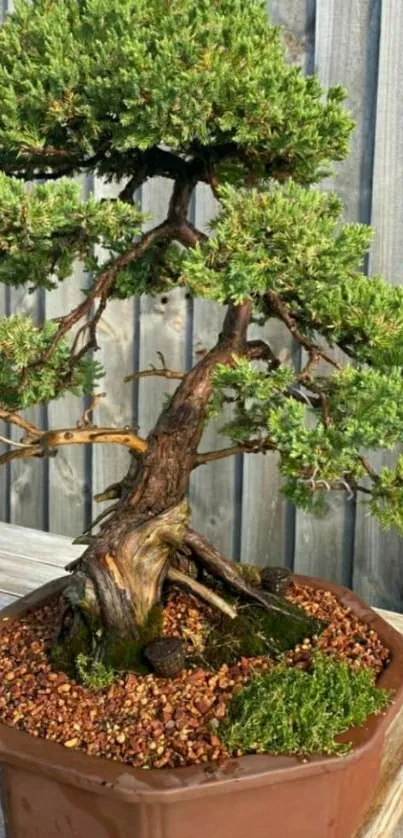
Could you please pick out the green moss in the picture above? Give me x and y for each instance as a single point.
(79, 640)
(125, 656)
(92, 657)
(297, 712)
(93, 674)
(249, 573)
(255, 632)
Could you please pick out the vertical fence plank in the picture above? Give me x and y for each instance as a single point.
(163, 323)
(28, 495)
(346, 53)
(117, 341)
(378, 572)
(68, 481)
(212, 491)
(267, 519)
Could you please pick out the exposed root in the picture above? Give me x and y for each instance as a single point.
(201, 591)
(225, 571)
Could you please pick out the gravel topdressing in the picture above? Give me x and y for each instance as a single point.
(151, 722)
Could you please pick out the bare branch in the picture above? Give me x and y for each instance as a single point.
(312, 362)
(13, 442)
(20, 454)
(110, 493)
(98, 520)
(163, 373)
(177, 576)
(48, 440)
(254, 446)
(283, 312)
(368, 468)
(100, 290)
(92, 434)
(19, 421)
(86, 417)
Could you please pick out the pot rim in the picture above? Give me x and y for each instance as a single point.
(103, 776)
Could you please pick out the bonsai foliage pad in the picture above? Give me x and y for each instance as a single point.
(53, 792)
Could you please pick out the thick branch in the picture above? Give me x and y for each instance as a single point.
(76, 436)
(189, 235)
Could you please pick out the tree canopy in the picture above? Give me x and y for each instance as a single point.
(198, 92)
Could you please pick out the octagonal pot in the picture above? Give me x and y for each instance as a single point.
(51, 792)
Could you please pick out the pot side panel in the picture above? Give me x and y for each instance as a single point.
(328, 805)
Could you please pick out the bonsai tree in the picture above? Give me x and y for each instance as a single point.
(194, 92)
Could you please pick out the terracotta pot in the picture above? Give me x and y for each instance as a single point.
(52, 792)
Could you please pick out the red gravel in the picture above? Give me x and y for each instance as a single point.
(146, 721)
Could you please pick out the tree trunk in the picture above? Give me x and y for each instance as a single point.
(120, 576)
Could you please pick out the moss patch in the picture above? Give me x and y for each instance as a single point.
(296, 712)
(253, 633)
(93, 674)
(79, 640)
(249, 573)
(88, 655)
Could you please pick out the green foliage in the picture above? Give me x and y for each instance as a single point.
(87, 77)
(364, 410)
(156, 272)
(250, 574)
(43, 230)
(278, 237)
(93, 85)
(22, 344)
(296, 712)
(254, 633)
(93, 674)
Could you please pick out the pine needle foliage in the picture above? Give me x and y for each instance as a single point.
(198, 92)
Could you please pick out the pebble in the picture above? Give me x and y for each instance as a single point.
(145, 721)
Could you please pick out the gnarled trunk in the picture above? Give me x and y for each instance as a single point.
(120, 576)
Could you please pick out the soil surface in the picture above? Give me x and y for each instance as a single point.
(146, 721)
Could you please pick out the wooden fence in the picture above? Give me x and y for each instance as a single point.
(236, 503)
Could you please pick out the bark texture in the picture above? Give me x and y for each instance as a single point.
(120, 576)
